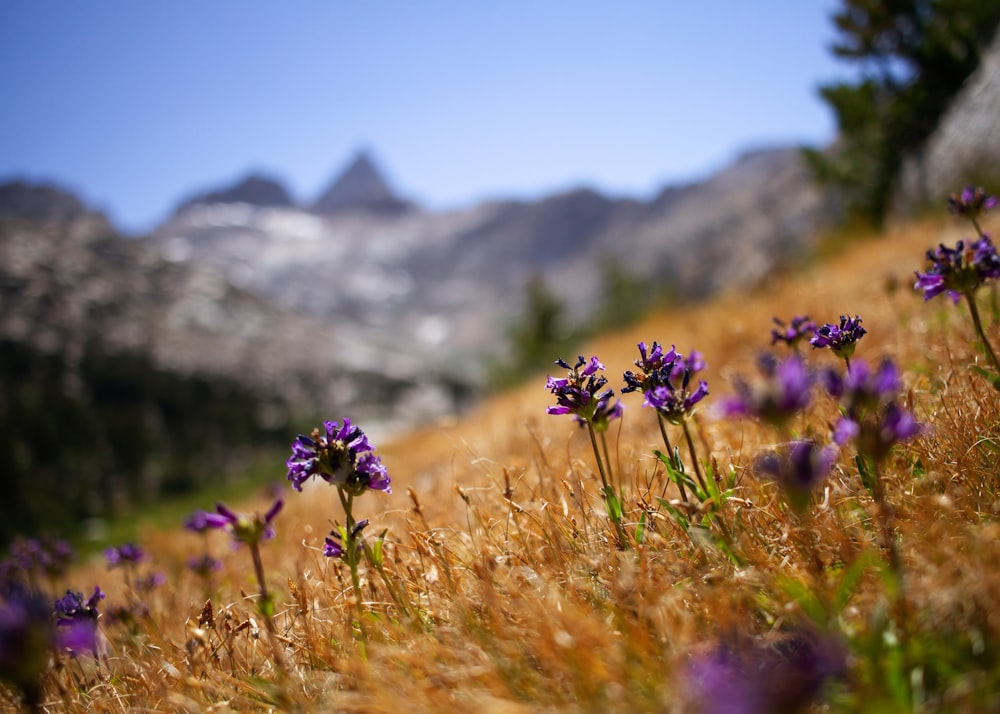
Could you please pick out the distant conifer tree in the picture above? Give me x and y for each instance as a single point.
(913, 56)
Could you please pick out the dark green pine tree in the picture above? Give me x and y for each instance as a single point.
(913, 56)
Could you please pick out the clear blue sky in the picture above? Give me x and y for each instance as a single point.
(135, 103)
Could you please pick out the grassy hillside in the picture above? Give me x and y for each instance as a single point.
(502, 584)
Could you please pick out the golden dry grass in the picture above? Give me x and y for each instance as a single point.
(504, 592)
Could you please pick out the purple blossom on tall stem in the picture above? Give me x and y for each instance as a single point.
(842, 339)
(784, 392)
(252, 530)
(800, 328)
(873, 422)
(665, 379)
(341, 455)
(76, 620)
(27, 637)
(971, 203)
(582, 394)
(959, 272)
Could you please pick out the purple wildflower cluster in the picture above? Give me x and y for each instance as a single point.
(971, 202)
(842, 339)
(799, 468)
(785, 390)
(243, 528)
(872, 418)
(125, 555)
(799, 329)
(340, 455)
(37, 556)
(334, 547)
(664, 378)
(582, 393)
(76, 619)
(960, 270)
(756, 678)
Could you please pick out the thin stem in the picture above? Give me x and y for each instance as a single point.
(694, 457)
(608, 491)
(670, 453)
(351, 551)
(265, 607)
(974, 309)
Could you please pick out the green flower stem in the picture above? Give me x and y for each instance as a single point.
(977, 322)
(352, 553)
(670, 452)
(265, 607)
(694, 457)
(608, 490)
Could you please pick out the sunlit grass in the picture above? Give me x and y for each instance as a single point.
(502, 586)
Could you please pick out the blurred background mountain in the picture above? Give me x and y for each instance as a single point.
(150, 365)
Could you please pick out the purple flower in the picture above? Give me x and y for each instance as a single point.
(876, 433)
(758, 678)
(582, 394)
(861, 388)
(800, 328)
(341, 455)
(802, 467)
(971, 202)
(665, 381)
(334, 544)
(245, 529)
(676, 404)
(842, 338)
(76, 620)
(203, 565)
(48, 556)
(26, 638)
(960, 270)
(871, 419)
(785, 391)
(198, 522)
(127, 554)
(150, 582)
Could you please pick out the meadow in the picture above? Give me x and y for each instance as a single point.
(803, 536)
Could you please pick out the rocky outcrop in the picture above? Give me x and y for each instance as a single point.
(965, 148)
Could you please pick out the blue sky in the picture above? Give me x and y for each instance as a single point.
(135, 104)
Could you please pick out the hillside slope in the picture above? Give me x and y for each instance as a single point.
(503, 587)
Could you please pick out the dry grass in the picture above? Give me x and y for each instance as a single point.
(504, 591)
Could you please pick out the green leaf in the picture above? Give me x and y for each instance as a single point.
(640, 531)
(989, 376)
(806, 599)
(851, 577)
(266, 606)
(679, 517)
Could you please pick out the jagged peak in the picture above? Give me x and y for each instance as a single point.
(359, 186)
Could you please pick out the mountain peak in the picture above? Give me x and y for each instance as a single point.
(360, 186)
(254, 189)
